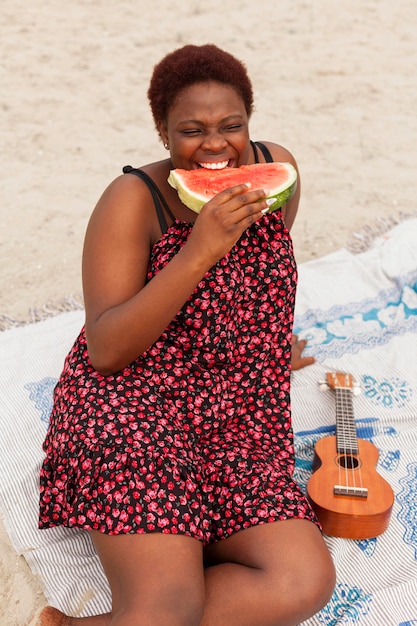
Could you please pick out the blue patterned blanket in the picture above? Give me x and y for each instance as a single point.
(359, 314)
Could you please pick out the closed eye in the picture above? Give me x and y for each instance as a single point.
(191, 131)
(233, 127)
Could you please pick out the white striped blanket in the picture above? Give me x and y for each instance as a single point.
(359, 313)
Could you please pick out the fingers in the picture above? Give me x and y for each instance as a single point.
(298, 361)
(298, 364)
(225, 217)
(241, 203)
(301, 343)
(242, 195)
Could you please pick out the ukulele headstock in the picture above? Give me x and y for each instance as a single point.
(340, 380)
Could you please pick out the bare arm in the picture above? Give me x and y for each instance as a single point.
(124, 316)
(289, 212)
(282, 155)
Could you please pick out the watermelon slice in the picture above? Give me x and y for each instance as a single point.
(196, 187)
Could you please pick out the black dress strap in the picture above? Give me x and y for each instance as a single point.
(158, 198)
(265, 151)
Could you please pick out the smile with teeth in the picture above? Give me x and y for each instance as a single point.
(220, 165)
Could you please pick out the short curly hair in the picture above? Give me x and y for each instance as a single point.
(193, 64)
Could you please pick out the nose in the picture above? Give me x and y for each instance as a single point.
(214, 141)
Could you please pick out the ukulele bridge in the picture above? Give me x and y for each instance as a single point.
(346, 490)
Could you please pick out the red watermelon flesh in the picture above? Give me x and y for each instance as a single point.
(196, 187)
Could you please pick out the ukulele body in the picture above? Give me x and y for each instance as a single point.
(361, 507)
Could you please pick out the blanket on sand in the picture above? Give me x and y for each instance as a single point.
(359, 314)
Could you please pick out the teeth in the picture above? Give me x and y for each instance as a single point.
(220, 165)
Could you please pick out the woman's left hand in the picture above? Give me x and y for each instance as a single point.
(298, 361)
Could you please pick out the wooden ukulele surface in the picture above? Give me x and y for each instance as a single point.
(350, 498)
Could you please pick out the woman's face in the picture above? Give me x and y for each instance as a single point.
(207, 126)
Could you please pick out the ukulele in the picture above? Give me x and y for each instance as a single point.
(350, 498)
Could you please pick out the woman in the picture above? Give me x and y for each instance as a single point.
(170, 439)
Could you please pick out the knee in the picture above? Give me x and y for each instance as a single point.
(305, 589)
(315, 588)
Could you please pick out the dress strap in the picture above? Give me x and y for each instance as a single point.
(158, 199)
(265, 151)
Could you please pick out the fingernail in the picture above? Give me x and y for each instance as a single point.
(248, 185)
(265, 210)
(270, 201)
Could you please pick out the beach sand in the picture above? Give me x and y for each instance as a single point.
(334, 82)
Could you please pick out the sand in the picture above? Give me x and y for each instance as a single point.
(334, 82)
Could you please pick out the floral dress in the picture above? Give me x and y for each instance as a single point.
(194, 437)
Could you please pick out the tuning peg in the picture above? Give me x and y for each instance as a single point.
(323, 386)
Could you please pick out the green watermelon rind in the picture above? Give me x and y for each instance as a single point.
(282, 197)
(196, 201)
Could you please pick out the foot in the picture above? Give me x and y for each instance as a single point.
(52, 617)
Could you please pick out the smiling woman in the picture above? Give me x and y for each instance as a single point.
(170, 438)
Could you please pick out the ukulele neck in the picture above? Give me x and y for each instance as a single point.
(346, 438)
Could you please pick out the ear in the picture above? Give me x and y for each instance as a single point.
(163, 132)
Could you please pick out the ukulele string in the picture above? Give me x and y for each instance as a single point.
(350, 443)
(344, 449)
(349, 449)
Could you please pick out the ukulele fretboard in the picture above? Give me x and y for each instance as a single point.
(346, 438)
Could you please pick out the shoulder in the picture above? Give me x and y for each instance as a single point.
(279, 153)
(131, 185)
(129, 192)
(127, 203)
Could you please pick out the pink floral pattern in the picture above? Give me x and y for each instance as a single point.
(194, 436)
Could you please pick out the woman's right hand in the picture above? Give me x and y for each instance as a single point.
(223, 220)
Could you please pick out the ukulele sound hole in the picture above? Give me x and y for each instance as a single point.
(347, 461)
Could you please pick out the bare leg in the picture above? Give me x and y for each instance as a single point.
(269, 575)
(155, 580)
